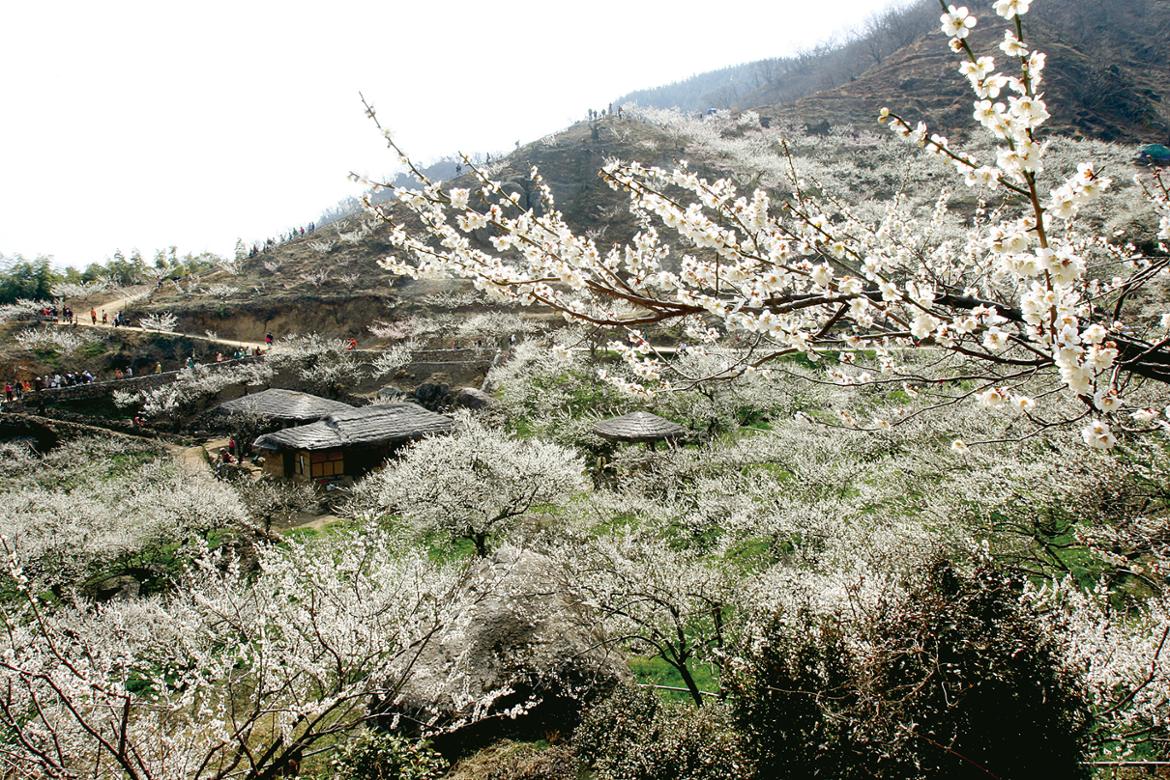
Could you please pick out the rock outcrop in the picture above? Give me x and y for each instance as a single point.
(526, 658)
(471, 398)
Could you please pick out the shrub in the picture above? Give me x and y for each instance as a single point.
(376, 755)
(956, 679)
(632, 735)
(557, 762)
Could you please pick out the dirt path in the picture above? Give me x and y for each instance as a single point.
(193, 460)
(111, 308)
(318, 524)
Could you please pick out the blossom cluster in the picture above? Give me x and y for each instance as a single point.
(59, 340)
(79, 290)
(61, 536)
(165, 322)
(471, 485)
(193, 386)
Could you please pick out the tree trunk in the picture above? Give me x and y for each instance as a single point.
(690, 683)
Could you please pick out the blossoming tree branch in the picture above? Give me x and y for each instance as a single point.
(1033, 311)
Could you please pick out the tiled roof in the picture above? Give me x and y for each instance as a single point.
(377, 424)
(638, 426)
(280, 404)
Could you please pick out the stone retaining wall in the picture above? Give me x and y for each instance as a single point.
(107, 387)
(423, 361)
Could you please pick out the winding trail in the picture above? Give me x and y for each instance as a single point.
(111, 308)
(116, 305)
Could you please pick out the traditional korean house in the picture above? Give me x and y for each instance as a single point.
(347, 443)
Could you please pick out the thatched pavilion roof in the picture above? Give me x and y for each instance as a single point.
(369, 425)
(638, 427)
(286, 405)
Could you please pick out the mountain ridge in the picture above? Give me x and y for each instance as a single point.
(1107, 72)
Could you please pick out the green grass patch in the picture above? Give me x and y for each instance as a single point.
(774, 470)
(583, 393)
(656, 671)
(624, 521)
(900, 397)
(756, 553)
(94, 349)
(521, 428)
(125, 463)
(443, 549)
(683, 537)
(301, 535)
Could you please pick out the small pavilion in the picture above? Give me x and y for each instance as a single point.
(639, 427)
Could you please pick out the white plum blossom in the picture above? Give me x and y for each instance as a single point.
(72, 511)
(459, 198)
(192, 386)
(473, 485)
(993, 397)
(1098, 435)
(160, 321)
(957, 22)
(1023, 403)
(59, 340)
(1009, 9)
(314, 635)
(1013, 46)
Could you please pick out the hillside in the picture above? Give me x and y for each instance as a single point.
(820, 451)
(330, 281)
(1105, 81)
(1107, 71)
(1107, 75)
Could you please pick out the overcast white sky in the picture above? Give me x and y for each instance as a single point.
(146, 124)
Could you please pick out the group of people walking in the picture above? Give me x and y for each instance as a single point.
(120, 319)
(67, 316)
(16, 389)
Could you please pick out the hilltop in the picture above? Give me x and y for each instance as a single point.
(1107, 75)
(1107, 72)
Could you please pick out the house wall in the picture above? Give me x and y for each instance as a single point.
(274, 464)
(326, 464)
(353, 462)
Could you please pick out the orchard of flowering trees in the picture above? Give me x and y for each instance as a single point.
(882, 549)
